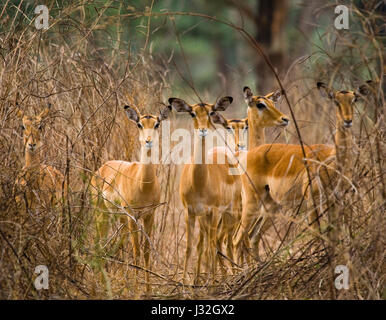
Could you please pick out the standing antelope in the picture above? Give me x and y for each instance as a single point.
(263, 113)
(43, 184)
(204, 188)
(236, 144)
(279, 175)
(132, 184)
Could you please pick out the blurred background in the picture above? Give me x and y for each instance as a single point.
(211, 56)
(98, 55)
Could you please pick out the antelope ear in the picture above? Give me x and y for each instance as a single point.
(219, 119)
(131, 114)
(164, 113)
(364, 88)
(324, 90)
(180, 105)
(222, 104)
(46, 111)
(275, 96)
(19, 112)
(247, 94)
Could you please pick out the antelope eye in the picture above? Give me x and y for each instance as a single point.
(40, 127)
(192, 114)
(246, 128)
(22, 127)
(336, 103)
(260, 106)
(229, 129)
(156, 126)
(139, 125)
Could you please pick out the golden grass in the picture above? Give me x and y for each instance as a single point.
(87, 89)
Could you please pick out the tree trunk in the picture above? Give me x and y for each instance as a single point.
(271, 19)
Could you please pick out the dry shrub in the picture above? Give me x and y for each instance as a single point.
(87, 90)
(87, 84)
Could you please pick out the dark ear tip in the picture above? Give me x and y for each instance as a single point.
(169, 107)
(319, 84)
(230, 99)
(245, 88)
(126, 107)
(369, 81)
(171, 100)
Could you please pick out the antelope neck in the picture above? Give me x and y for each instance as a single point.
(32, 159)
(199, 171)
(343, 145)
(256, 135)
(147, 169)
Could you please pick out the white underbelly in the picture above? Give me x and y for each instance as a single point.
(223, 201)
(285, 191)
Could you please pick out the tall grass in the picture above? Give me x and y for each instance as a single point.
(88, 81)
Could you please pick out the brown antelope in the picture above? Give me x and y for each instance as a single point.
(279, 175)
(204, 188)
(216, 176)
(132, 185)
(42, 183)
(236, 145)
(264, 115)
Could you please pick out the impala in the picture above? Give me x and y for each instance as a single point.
(236, 145)
(263, 113)
(204, 188)
(278, 174)
(42, 183)
(133, 185)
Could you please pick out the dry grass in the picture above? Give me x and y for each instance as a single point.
(87, 85)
